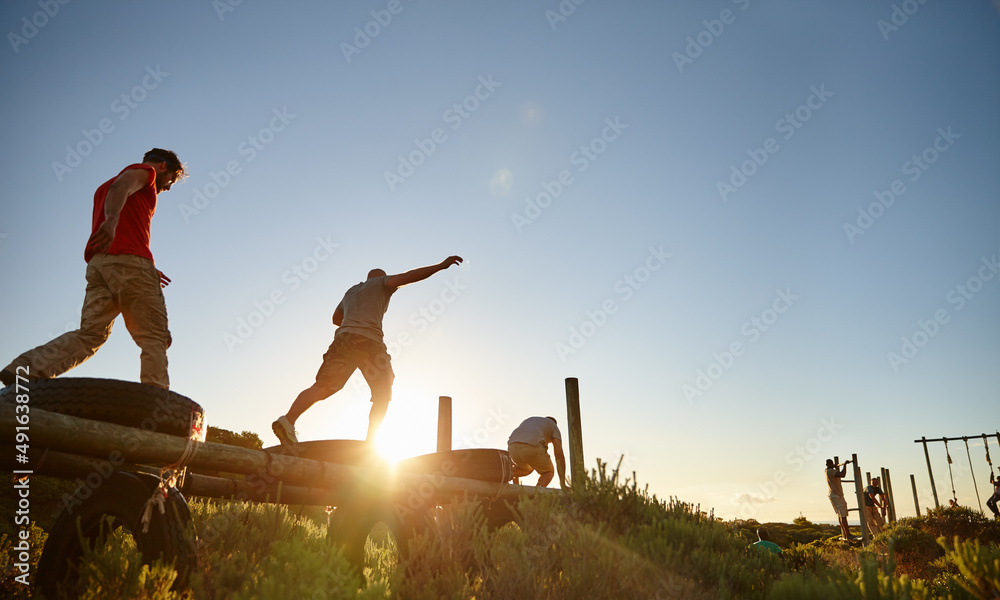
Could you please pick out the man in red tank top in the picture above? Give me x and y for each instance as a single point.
(121, 278)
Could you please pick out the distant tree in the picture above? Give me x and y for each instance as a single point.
(243, 439)
(801, 520)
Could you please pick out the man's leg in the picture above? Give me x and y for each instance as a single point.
(74, 347)
(375, 417)
(545, 478)
(136, 283)
(992, 504)
(845, 529)
(307, 398)
(336, 369)
(377, 369)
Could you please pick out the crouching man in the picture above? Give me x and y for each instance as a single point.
(528, 447)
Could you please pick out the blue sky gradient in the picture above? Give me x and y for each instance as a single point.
(604, 249)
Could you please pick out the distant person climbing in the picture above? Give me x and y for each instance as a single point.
(357, 344)
(122, 278)
(833, 477)
(764, 542)
(992, 502)
(874, 508)
(528, 446)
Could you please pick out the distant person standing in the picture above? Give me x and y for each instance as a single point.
(121, 278)
(833, 483)
(528, 446)
(874, 509)
(357, 345)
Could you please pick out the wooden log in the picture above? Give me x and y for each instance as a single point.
(93, 471)
(916, 502)
(577, 468)
(74, 435)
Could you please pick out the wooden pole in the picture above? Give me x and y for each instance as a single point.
(930, 472)
(130, 445)
(860, 492)
(444, 424)
(577, 468)
(916, 502)
(891, 500)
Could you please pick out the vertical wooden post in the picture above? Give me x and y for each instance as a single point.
(577, 468)
(916, 503)
(444, 424)
(860, 493)
(887, 488)
(930, 472)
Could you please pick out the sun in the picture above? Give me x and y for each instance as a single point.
(409, 429)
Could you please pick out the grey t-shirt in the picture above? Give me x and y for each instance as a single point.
(537, 431)
(364, 305)
(833, 482)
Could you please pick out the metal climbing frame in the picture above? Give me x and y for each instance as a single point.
(930, 470)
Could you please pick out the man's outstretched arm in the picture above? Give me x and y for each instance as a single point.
(422, 273)
(557, 450)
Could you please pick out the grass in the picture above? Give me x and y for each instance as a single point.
(606, 538)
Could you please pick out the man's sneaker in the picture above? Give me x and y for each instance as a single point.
(285, 432)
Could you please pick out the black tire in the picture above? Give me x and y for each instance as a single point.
(353, 522)
(120, 402)
(482, 464)
(345, 452)
(122, 497)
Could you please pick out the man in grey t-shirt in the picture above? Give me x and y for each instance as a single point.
(528, 447)
(358, 345)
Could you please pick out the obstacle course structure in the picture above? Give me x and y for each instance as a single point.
(136, 452)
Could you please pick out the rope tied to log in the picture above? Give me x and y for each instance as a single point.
(506, 474)
(158, 499)
(170, 473)
(986, 444)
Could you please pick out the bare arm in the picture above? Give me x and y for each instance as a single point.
(338, 315)
(422, 273)
(557, 450)
(125, 185)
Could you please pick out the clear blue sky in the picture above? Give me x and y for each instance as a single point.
(732, 323)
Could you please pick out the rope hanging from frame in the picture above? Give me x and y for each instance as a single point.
(954, 494)
(972, 471)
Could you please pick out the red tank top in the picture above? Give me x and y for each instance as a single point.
(132, 234)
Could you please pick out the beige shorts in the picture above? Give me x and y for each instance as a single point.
(530, 456)
(839, 505)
